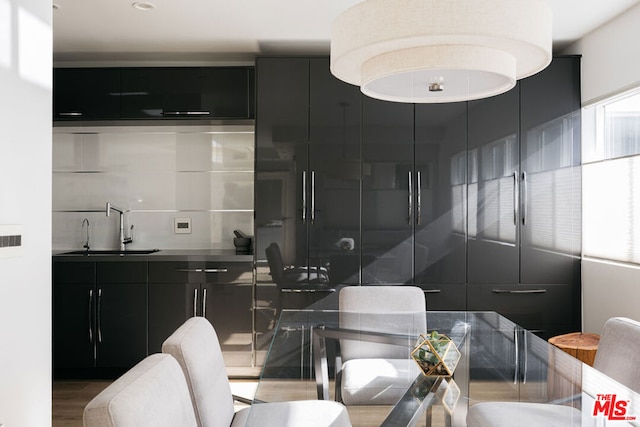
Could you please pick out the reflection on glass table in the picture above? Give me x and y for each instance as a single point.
(499, 362)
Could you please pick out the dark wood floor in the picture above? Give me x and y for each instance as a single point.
(69, 399)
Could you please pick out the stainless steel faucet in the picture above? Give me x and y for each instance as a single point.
(123, 240)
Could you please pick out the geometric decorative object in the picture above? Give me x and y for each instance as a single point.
(436, 355)
(431, 51)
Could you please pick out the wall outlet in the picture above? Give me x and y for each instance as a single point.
(182, 226)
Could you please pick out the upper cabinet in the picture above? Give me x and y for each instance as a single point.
(86, 93)
(153, 93)
(177, 93)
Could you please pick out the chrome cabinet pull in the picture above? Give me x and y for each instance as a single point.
(419, 196)
(70, 114)
(195, 302)
(525, 192)
(90, 320)
(432, 291)
(523, 291)
(185, 113)
(304, 197)
(410, 204)
(313, 197)
(204, 302)
(202, 270)
(515, 198)
(516, 343)
(99, 315)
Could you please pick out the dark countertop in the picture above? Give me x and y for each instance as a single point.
(219, 255)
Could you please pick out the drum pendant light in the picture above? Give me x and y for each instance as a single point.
(430, 51)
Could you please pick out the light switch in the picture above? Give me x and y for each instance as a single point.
(182, 226)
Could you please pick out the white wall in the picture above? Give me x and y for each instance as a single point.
(610, 59)
(25, 199)
(608, 289)
(610, 65)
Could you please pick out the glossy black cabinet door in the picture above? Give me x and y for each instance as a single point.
(388, 192)
(170, 304)
(440, 193)
(73, 325)
(282, 132)
(334, 168)
(86, 93)
(493, 176)
(121, 314)
(228, 307)
(186, 93)
(74, 301)
(551, 176)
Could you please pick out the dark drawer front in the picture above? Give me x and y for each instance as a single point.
(546, 310)
(122, 272)
(74, 272)
(445, 297)
(200, 272)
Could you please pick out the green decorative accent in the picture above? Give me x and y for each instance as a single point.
(436, 355)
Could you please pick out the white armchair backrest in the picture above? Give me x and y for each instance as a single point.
(153, 393)
(195, 346)
(404, 309)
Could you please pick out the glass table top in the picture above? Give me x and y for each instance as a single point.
(313, 350)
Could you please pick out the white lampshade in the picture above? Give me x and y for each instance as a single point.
(440, 50)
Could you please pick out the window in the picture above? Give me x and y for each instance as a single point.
(611, 179)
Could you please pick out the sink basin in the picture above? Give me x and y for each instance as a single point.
(113, 252)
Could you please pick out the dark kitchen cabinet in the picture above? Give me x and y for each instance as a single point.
(333, 170)
(187, 93)
(86, 94)
(220, 291)
(493, 188)
(388, 192)
(99, 317)
(550, 158)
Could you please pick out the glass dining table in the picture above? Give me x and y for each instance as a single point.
(498, 361)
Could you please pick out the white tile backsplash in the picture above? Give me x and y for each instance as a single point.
(157, 174)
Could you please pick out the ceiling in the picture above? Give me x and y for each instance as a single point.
(235, 31)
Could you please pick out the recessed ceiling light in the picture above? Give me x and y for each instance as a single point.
(143, 5)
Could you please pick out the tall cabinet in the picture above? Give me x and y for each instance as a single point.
(476, 202)
(525, 201)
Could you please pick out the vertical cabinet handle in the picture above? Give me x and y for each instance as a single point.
(195, 302)
(304, 197)
(419, 196)
(90, 317)
(515, 198)
(516, 344)
(524, 198)
(204, 302)
(313, 197)
(410, 204)
(99, 315)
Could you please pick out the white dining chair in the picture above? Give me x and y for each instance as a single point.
(372, 373)
(196, 348)
(153, 393)
(618, 357)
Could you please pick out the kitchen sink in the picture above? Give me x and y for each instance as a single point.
(113, 252)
